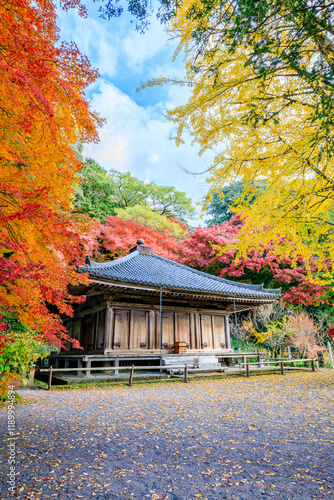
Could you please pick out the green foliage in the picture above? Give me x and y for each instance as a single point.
(94, 192)
(101, 193)
(170, 202)
(22, 348)
(220, 204)
(244, 346)
(142, 214)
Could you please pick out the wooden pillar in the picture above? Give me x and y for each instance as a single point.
(198, 336)
(108, 333)
(192, 331)
(151, 330)
(227, 333)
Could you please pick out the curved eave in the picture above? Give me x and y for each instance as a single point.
(196, 293)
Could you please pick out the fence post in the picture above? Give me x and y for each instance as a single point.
(313, 365)
(31, 376)
(50, 378)
(329, 347)
(88, 365)
(185, 380)
(282, 367)
(131, 375)
(247, 369)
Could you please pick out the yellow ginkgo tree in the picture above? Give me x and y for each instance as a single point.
(261, 80)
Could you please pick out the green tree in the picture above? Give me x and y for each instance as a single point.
(128, 191)
(94, 193)
(99, 193)
(169, 202)
(218, 206)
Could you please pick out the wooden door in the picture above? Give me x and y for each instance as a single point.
(100, 330)
(167, 331)
(182, 328)
(139, 328)
(219, 341)
(88, 331)
(206, 331)
(121, 329)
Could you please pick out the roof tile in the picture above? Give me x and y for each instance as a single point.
(160, 272)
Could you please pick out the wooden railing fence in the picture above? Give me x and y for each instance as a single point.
(184, 370)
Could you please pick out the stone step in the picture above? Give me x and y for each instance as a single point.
(192, 361)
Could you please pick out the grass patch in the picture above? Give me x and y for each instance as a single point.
(19, 400)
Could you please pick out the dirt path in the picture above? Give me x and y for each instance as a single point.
(263, 437)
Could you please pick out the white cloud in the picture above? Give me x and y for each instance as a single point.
(136, 139)
(154, 158)
(93, 40)
(141, 48)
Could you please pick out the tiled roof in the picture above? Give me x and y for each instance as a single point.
(156, 271)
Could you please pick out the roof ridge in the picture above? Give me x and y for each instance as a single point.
(111, 263)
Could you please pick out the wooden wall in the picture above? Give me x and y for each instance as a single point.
(139, 329)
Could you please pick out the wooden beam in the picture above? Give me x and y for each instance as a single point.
(91, 310)
(167, 307)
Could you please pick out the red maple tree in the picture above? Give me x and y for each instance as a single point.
(43, 112)
(118, 236)
(206, 250)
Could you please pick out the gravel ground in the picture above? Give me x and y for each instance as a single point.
(264, 437)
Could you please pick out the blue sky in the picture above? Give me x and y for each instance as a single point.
(136, 136)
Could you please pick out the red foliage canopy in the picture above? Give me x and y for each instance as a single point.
(43, 111)
(204, 250)
(118, 236)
